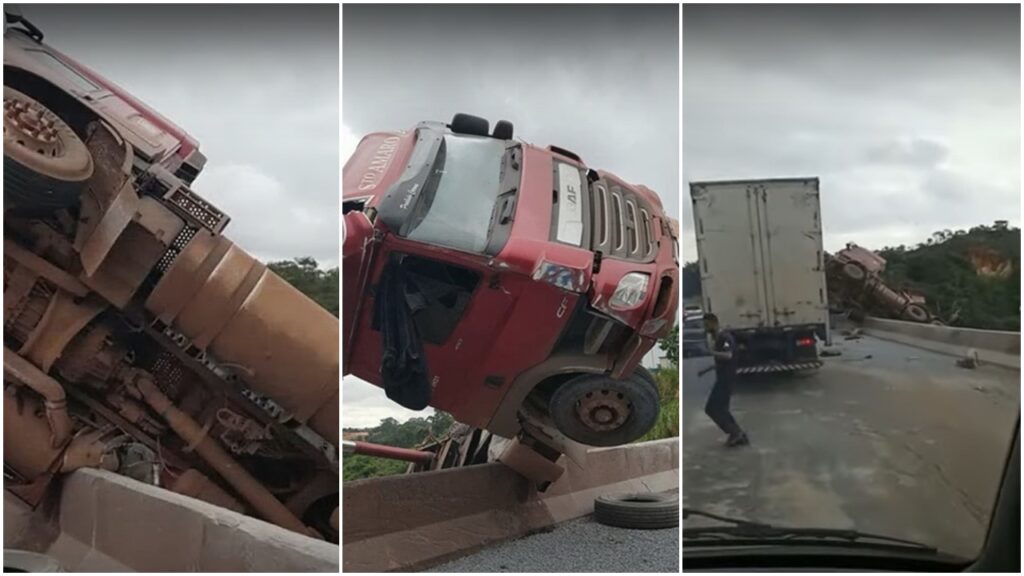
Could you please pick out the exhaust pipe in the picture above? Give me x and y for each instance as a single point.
(265, 503)
(21, 371)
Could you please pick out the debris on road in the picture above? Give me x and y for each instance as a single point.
(830, 353)
(852, 334)
(970, 359)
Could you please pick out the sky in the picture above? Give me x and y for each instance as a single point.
(602, 81)
(257, 87)
(910, 115)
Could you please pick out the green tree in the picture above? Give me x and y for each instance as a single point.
(943, 268)
(691, 280)
(305, 275)
(391, 432)
(670, 346)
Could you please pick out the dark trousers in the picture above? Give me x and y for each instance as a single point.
(717, 407)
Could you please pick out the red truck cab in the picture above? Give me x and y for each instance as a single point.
(504, 283)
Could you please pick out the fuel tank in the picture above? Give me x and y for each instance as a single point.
(277, 341)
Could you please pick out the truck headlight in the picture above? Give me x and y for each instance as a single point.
(630, 291)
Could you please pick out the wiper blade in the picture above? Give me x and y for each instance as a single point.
(687, 512)
(768, 533)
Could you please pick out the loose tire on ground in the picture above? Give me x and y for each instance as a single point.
(46, 165)
(645, 511)
(633, 400)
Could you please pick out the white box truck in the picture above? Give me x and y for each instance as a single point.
(762, 269)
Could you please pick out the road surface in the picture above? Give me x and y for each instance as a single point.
(582, 545)
(885, 438)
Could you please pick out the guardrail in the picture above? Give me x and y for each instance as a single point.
(106, 522)
(993, 346)
(410, 522)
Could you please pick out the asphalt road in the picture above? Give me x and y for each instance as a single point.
(579, 546)
(903, 443)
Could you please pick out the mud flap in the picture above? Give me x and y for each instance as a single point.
(403, 365)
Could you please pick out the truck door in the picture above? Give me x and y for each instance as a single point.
(730, 254)
(790, 224)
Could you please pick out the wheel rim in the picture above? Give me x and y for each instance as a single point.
(603, 409)
(40, 140)
(31, 129)
(854, 271)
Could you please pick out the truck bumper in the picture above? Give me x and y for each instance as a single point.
(779, 367)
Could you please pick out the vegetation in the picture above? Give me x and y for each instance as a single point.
(670, 346)
(304, 274)
(970, 278)
(391, 432)
(667, 424)
(691, 280)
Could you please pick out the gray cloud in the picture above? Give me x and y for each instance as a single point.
(909, 114)
(256, 85)
(599, 80)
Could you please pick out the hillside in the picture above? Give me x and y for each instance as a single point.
(971, 278)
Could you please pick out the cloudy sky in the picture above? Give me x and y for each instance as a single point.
(599, 80)
(909, 115)
(256, 86)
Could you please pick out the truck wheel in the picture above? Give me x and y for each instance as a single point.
(598, 410)
(854, 271)
(916, 313)
(46, 165)
(648, 510)
(469, 124)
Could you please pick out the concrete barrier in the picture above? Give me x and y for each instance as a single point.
(411, 522)
(105, 522)
(993, 346)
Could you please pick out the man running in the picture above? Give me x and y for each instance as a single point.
(717, 407)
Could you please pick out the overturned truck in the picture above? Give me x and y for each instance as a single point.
(855, 286)
(508, 284)
(137, 337)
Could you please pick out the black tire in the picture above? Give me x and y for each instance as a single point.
(854, 271)
(645, 511)
(503, 130)
(916, 313)
(37, 180)
(639, 390)
(469, 124)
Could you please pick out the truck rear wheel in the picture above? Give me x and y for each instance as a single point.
(598, 410)
(46, 165)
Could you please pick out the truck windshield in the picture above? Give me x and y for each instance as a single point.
(460, 193)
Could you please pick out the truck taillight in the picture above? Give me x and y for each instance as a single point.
(805, 342)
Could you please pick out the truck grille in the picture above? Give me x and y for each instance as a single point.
(622, 224)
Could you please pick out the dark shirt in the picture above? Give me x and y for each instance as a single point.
(725, 369)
